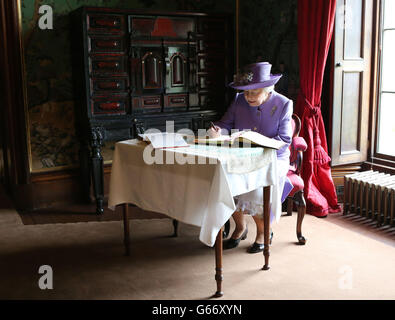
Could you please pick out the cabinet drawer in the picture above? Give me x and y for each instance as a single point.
(176, 100)
(100, 85)
(109, 105)
(147, 102)
(105, 23)
(107, 64)
(168, 27)
(106, 44)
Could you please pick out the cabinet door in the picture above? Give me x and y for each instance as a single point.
(146, 65)
(176, 69)
(351, 86)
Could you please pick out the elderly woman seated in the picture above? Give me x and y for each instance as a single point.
(260, 108)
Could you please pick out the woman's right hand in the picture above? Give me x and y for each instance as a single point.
(214, 132)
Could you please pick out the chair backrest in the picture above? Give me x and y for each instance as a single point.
(296, 124)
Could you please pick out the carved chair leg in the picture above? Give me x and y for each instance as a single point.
(175, 227)
(98, 180)
(226, 229)
(97, 168)
(290, 204)
(301, 205)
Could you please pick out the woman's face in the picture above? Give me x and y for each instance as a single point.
(255, 97)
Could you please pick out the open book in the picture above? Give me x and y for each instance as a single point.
(246, 138)
(164, 140)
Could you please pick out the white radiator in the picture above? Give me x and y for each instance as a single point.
(370, 194)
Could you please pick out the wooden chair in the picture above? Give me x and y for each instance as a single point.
(296, 196)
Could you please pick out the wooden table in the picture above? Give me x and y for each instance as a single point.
(125, 162)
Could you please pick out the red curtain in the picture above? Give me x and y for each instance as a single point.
(315, 28)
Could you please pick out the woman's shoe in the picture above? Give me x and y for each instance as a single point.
(233, 243)
(258, 247)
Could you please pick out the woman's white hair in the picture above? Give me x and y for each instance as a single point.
(268, 89)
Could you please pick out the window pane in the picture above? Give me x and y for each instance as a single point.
(388, 67)
(389, 10)
(386, 129)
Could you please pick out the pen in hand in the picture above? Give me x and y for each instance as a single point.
(213, 126)
(214, 131)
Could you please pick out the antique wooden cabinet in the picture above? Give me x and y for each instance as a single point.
(135, 70)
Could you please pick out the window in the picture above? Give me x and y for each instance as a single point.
(385, 137)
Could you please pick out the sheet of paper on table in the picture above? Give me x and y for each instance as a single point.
(164, 140)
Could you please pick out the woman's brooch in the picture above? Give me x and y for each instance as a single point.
(273, 110)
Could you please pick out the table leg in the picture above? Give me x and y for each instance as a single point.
(218, 264)
(266, 226)
(126, 228)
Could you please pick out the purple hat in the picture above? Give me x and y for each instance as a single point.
(256, 75)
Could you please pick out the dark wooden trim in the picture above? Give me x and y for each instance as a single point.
(339, 172)
(47, 194)
(381, 162)
(152, 13)
(327, 95)
(56, 188)
(54, 175)
(67, 173)
(13, 105)
(375, 77)
(378, 167)
(4, 179)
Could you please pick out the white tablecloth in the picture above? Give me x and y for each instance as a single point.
(199, 194)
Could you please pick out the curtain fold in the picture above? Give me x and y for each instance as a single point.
(315, 28)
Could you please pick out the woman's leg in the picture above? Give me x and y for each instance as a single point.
(259, 229)
(238, 217)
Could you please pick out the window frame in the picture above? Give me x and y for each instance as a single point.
(377, 160)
